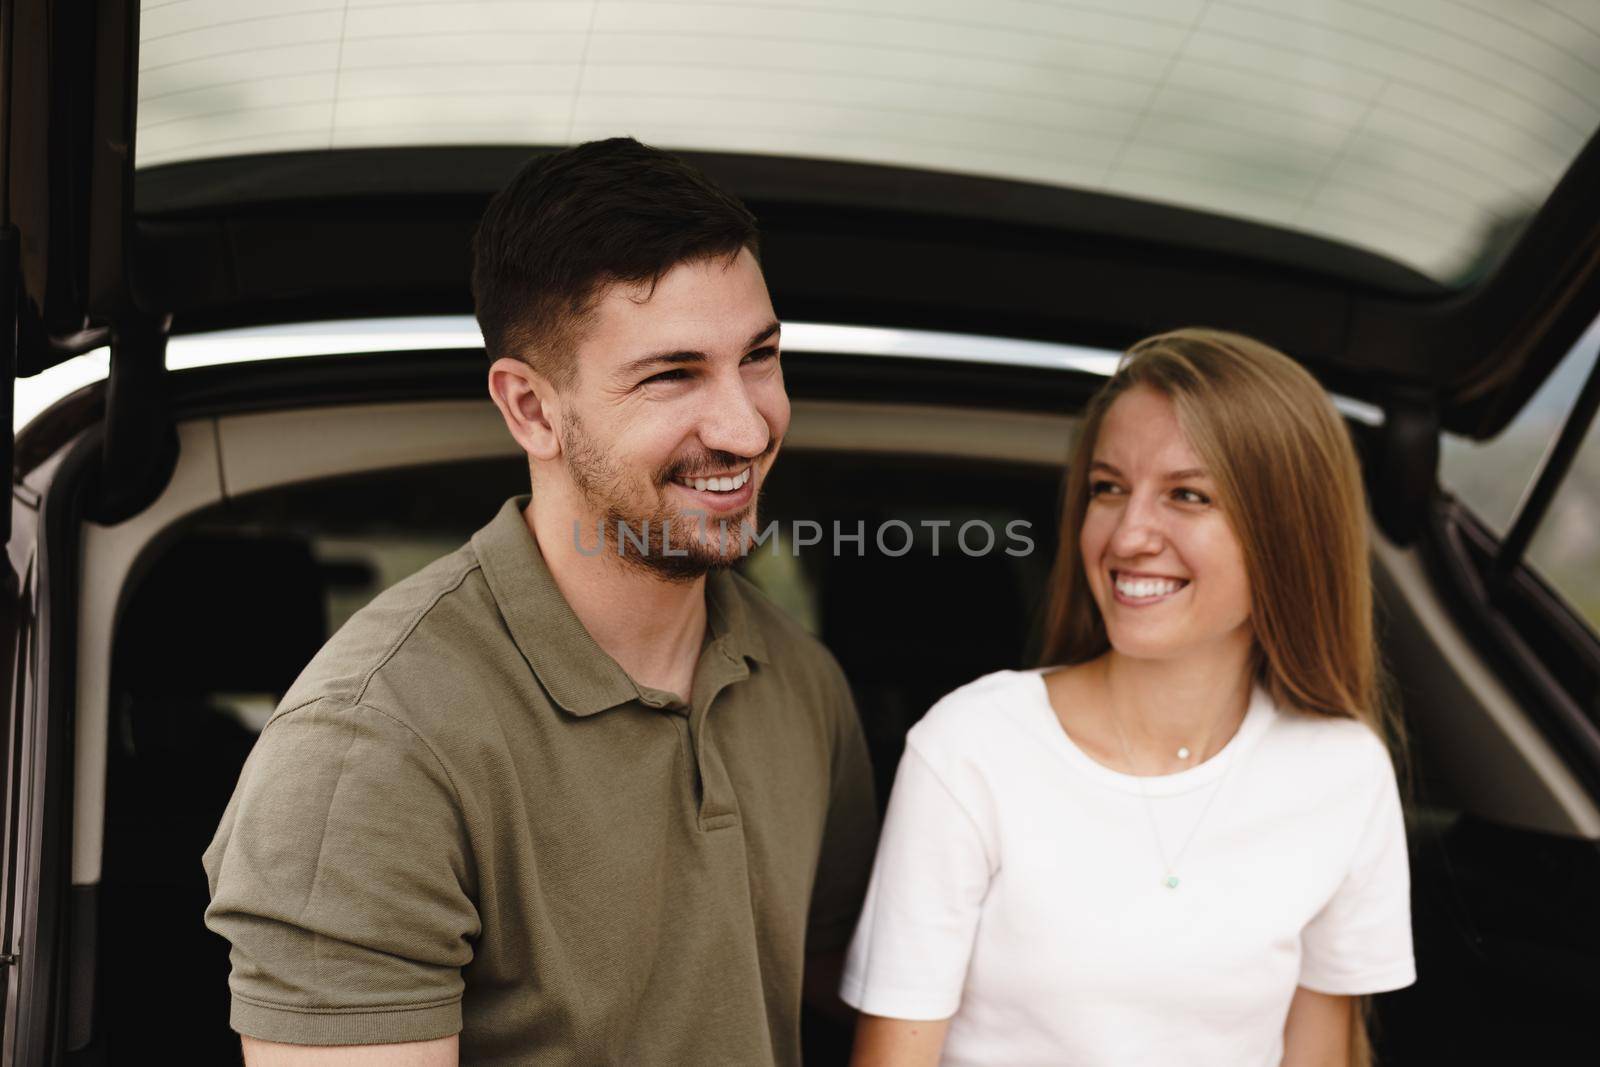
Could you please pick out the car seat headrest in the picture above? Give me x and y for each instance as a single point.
(223, 612)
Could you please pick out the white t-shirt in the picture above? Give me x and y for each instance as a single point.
(1019, 888)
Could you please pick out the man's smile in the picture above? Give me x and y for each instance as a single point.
(726, 483)
(710, 496)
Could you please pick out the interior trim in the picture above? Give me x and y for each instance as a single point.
(1539, 793)
(110, 555)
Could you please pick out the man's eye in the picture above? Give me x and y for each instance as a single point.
(666, 376)
(762, 355)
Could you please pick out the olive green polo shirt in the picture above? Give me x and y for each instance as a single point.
(465, 817)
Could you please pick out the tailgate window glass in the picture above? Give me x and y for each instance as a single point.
(1426, 132)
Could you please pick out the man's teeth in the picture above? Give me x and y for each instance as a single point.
(1147, 587)
(717, 485)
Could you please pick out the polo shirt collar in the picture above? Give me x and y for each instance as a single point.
(577, 673)
(728, 616)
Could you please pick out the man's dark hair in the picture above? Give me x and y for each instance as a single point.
(570, 223)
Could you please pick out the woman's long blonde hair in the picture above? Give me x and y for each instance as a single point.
(1290, 485)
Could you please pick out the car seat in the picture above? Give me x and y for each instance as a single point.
(216, 614)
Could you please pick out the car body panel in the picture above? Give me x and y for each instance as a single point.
(236, 242)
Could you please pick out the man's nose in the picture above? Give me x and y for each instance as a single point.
(731, 422)
(1138, 530)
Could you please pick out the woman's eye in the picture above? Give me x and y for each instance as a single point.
(1200, 498)
(1095, 487)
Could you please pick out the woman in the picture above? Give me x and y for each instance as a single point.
(1181, 842)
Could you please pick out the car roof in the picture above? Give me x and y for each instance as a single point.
(963, 207)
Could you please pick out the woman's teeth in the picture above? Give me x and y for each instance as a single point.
(716, 485)
(1141, 588)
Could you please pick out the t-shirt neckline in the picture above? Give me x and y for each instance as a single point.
(1257, 717)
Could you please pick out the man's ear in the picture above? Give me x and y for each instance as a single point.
(528, 402)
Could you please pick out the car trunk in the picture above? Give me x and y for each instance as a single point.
(126, 506)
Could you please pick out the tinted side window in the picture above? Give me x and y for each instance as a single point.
(1565, 549)
(1490, 477)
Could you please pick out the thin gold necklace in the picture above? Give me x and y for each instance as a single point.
(1169, 877)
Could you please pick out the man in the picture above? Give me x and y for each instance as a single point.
(575, 793)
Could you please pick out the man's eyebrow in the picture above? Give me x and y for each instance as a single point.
(633, 367)
(1172, 476)
(764, 333)
(691, 355)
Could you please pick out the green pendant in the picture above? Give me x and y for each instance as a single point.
(1172, 882)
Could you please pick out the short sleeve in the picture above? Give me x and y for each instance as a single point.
(341, 876)
(849, 834)
(1360, 942)
(909, 957)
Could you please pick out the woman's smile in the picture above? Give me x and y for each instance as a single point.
(1137, 592)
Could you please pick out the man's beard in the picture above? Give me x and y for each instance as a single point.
(698, 543)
